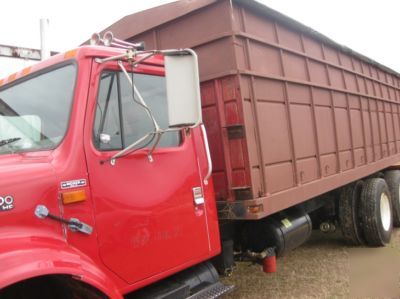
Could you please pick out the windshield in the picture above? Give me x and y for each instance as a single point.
(34, 114)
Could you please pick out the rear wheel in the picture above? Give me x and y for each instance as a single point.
(392, 178)
(376, 212)
(349, 220)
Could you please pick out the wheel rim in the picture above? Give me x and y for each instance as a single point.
(386, 215)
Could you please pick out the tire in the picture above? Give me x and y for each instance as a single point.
(392, 178)
(349, 220)
(376, 212)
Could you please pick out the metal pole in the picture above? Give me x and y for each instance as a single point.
(44, 49)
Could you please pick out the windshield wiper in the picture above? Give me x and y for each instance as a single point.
(9, 140)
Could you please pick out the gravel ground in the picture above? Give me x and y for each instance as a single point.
(324, 267)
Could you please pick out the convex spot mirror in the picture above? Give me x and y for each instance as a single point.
(183, 90)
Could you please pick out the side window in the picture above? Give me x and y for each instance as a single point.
(120, 116)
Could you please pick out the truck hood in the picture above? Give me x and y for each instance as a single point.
(27, 178)
(21, 167)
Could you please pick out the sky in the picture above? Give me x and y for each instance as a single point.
(369, 27)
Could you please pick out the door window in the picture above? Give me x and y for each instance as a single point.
(123, 118)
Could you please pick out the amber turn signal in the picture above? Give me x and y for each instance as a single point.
(70, 54)
(73, 196)
(255, 208)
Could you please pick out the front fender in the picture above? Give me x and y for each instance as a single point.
(30, 255)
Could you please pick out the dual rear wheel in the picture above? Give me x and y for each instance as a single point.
(392, 178)
(368, 209)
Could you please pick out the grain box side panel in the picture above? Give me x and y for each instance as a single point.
(319, 112)
(207, 30)
(149, 38)
(212, 122)
(223, 118)
(315, 117)
(197, 28)
(256, 163)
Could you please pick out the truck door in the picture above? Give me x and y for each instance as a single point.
(147, 220)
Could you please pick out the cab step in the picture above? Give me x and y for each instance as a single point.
(198, 282)
(212, 291)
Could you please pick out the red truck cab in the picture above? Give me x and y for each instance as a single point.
(78, 214)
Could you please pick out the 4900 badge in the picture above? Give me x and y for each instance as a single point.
(6, 203)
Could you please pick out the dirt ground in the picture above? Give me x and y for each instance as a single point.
(324, 267)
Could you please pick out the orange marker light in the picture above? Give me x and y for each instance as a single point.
(70, 54)
(12, 77)
(26, 71)
(73, 196)
(255, 208)
(1, 82)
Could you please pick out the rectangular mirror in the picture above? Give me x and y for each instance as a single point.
(183, 88)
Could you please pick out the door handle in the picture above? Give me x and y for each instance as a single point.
(198, 196)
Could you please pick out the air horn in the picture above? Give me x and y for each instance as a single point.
(109, 40)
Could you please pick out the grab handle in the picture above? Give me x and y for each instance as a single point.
(207, 148)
